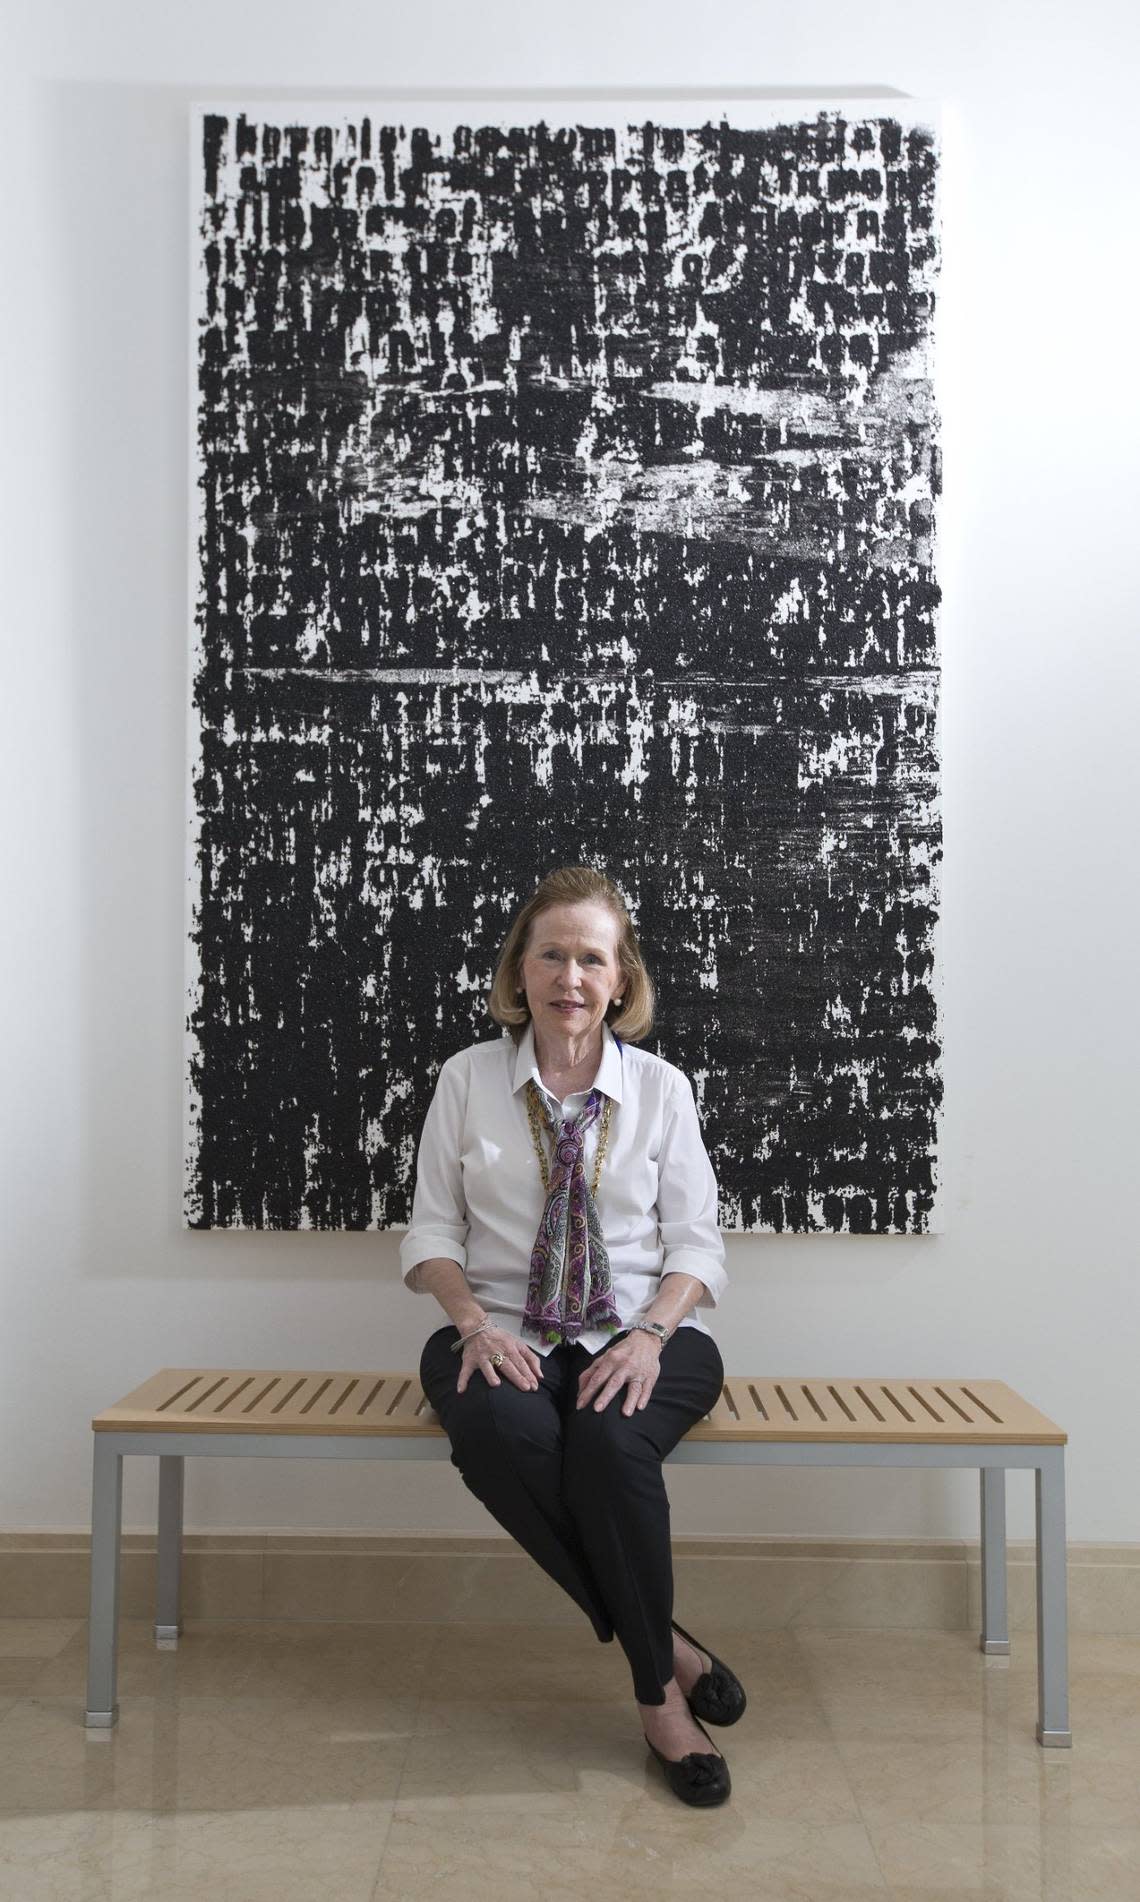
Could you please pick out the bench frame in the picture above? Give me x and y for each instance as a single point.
(1047, 1463)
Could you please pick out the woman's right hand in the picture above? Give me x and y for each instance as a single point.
(520, 1363)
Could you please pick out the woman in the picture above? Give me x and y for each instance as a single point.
(565, 1218)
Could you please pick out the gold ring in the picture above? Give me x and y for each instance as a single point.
(496, 1360)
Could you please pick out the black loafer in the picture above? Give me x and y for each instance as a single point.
(701, 1777)
(718, 1695)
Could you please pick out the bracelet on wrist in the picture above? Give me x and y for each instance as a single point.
(464, 1338)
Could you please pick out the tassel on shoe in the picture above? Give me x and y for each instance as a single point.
(718, 1695)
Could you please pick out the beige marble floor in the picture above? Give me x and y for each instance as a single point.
(333, 1763)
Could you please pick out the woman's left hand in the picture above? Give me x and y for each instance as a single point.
(635, 1357)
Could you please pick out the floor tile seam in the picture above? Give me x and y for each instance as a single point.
(842, 1760)
(1062, 1832)
(821, 1593)
(412, 1734)
(390, 1806)
(813, 1672)
(106, 1806)
(33, 1687)
(375, 1894)
(836, 1744)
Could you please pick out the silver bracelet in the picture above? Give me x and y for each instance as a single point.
(463, 1340)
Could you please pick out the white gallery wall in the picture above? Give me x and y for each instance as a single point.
(1034, 1278)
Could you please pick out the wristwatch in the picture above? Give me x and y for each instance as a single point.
(651, 1327)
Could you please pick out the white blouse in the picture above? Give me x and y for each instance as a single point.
(479, 1196)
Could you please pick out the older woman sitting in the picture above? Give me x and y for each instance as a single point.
(565, 1218)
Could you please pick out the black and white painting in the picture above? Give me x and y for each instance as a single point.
(563, 491)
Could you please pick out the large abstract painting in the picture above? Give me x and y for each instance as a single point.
(564, 488)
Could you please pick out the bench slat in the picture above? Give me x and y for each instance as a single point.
(785, 1407)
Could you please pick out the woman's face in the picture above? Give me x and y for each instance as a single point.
(570, 968)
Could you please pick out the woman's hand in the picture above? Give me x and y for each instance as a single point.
(520, 1363)
(636, 1356)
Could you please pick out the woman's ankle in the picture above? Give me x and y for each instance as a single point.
(673, 1698)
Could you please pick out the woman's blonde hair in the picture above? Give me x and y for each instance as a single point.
(632, 1019)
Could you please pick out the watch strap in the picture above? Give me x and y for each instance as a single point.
(651, 1327)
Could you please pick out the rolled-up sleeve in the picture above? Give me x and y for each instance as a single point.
(687, 1203)
(439, 1212)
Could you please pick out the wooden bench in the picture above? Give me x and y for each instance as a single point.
(790, 1421)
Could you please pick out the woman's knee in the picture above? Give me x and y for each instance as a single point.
(502, 1424)
(607, 1446)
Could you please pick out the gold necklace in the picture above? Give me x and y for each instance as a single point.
(538, 1123)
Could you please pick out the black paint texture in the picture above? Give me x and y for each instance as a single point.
(566, 493)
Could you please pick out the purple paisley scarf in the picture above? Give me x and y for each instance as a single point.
(570, 1289)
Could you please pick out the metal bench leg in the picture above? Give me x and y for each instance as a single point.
(168, 1620)
(995, 1617)
(103, 1623)
(1052, 1602)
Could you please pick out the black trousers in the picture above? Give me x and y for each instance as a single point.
(583, 1491)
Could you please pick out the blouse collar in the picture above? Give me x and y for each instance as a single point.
(608, 1078)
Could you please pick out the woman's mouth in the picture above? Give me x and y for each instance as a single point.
(569, 1007)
